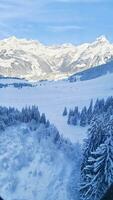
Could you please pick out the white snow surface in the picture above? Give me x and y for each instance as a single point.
(34, 170)
(52, 97)
(35, 61)
(41, 171)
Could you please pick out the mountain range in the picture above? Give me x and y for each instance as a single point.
(33, 60)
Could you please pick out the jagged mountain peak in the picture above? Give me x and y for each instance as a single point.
(102, 39)
(33, 60)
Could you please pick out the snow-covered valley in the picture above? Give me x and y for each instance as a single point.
(52, 97)
(33, 163)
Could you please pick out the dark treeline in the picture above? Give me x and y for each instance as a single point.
(86, 115)
(16, 85)
(11, 116)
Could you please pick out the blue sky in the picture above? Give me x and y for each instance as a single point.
(57, 21)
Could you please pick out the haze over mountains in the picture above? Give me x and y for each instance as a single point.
(35, 61)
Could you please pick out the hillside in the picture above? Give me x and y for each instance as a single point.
(93, 73)
(31, 151)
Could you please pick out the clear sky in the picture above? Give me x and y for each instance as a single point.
(57, 21)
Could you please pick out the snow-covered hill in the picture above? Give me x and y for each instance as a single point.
(34, 61)
(35, 162)
(93, 73)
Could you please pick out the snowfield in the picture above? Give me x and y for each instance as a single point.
(52, 97)
(32, 165)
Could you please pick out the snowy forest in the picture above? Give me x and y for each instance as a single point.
(35, 121)
(11, 116)
(101, 108)
(96, 160)
(35, 147)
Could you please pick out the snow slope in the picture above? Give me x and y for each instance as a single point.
(37, 169)
(52, 97)
(33, 167)
(35, 61)
(93, 73)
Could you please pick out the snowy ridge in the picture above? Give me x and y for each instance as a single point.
(35, 61)
(93, 73)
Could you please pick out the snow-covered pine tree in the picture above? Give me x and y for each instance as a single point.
(65, 112)
(47, 123)
(97, 165)
(108, 103)
(43, 119)
(90, 112)
(76, 112)
(71, 114)
(96, 108)
(95, 138)
(83, 117)
(99, 171)
(101, 105)
(35, 114)
(73, 120)
(2, 125)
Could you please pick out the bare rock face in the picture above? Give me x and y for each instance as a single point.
(34, 61)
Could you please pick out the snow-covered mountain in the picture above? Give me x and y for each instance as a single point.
(34, 61)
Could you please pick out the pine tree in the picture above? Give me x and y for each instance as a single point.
(108, 103)
(47, 123)
(83, 117)
(73, 120)
(99, 171)
(96, 110)
(71, 114)
(101, 106)
(43, 119)
(76, 112)
(65, 111)
(90, 112)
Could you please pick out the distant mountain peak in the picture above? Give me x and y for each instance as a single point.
(102, 39)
